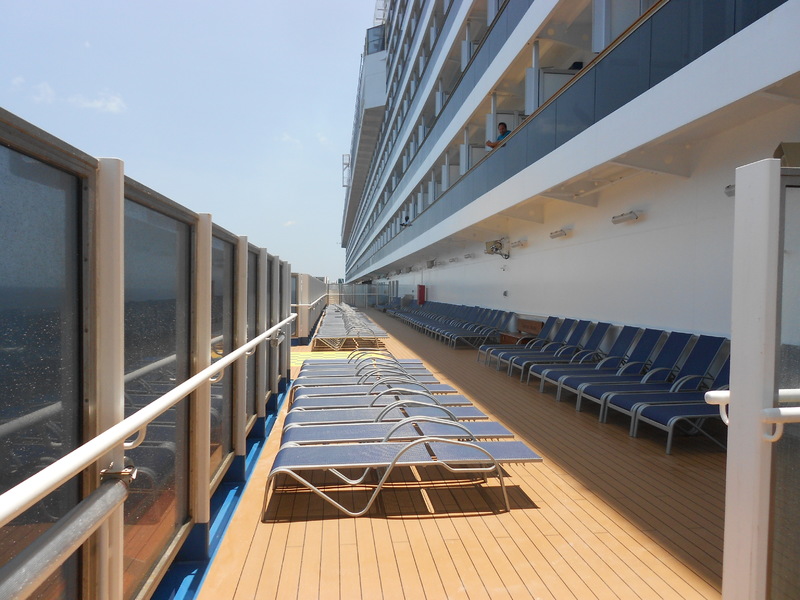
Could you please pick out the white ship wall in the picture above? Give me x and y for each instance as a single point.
(670, 269)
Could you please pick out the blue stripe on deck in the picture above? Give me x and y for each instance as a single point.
(183, 579)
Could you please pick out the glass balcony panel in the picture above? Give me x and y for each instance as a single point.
(157, 310)
(683, 30)
(575, 108)
(40, 345)
(252, 312)
(222, 254)
(624, 73)
(749, 11)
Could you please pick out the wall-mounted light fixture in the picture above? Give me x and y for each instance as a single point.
(730, 190)
(454, 259)
(469, 255)
(627, 216)
(496, 247)
(557, 234)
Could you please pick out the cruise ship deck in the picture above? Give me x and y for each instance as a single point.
(603, 516)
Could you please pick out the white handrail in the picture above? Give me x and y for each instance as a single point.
(314, 302)
(24, 495)
(154, 366)
(776, 416)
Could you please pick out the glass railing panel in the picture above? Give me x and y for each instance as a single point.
(749, 11)
(784, 577)
(540, 134)
(40, 331)
(575, 109)
(252, 314)
(624, 73)
(157, 310)
(683, 30)
(222, 255)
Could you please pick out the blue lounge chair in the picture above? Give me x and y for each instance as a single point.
(374, 388)
(690, 416)
(692, 374)
(558, 335)
(456, 456)
(380, 399)
(567, 353)
(587, 361)
(503, 357)
(397, 411)
(666, 358)
(547, 328)
(410, 428)
(553, 349)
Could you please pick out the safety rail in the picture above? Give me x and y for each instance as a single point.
(777, 416)
(21, 497)
(314, 303)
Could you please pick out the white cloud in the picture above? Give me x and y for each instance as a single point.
(323, 139)
(104, 102)
(287, 139)
(43, 93)
(289, 223)
(17, 84)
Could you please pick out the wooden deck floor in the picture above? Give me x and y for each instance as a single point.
(604, 516)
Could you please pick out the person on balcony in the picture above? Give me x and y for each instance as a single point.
(502, 132)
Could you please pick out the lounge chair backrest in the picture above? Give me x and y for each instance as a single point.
(702, 355)
(722, 379)
(671, 351)
(598, 333)
(547, 328)
(577, 333)
(623, 341)
(563, 331)
(645, 345)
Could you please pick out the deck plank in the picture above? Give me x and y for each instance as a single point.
(604, 516)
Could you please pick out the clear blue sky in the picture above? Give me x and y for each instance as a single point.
(241, 109)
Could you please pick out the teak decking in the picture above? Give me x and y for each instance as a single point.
(604, 516)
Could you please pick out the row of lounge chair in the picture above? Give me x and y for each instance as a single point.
(455, 325)
(652, 376)
(339, 423)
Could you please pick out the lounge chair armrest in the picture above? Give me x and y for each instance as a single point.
(583, 356)
(607, 359)
(402, 391)
(628, 367)
(659, 374)
(683, 382)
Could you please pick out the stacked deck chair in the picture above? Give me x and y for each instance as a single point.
(553, 350)
(587, 361)
(547, 328)
(691, 374)
(568, 353)
(557, 339)
(380, 432)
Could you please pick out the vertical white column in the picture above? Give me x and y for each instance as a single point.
(601, 24)
(262, 324)
(753, 340)
(286, 292)
(200, 461)
(109, 350)
(532, 81)
(240, 338)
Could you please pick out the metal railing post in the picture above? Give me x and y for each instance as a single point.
(239, 416)
(262, 324)
(200, 459)
(109, 352)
